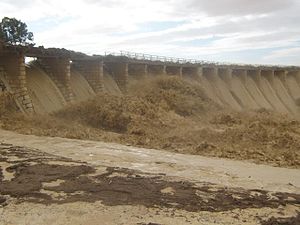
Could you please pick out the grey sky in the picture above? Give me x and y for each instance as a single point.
(250, 31)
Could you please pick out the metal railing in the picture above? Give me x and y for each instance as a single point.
(165, 59)
(148, 57)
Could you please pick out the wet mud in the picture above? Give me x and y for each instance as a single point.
(33, 172)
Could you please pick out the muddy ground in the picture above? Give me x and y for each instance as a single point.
(120, 186)
(39, 181)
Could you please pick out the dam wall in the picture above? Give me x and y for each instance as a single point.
(59, 69)
(44, 93)
(59, 77)
(92, 70)
(14, 76)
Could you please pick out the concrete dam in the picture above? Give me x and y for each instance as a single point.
(59, 77)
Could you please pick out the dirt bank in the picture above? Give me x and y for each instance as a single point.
(175, 115)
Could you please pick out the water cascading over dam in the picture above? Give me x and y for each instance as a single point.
(59, 77)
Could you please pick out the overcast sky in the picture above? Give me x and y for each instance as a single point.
(243, 31)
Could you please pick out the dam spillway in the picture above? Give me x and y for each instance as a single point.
(61, 77)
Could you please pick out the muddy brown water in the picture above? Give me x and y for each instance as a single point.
(149, 224)
(120, 186)
(282, 221)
